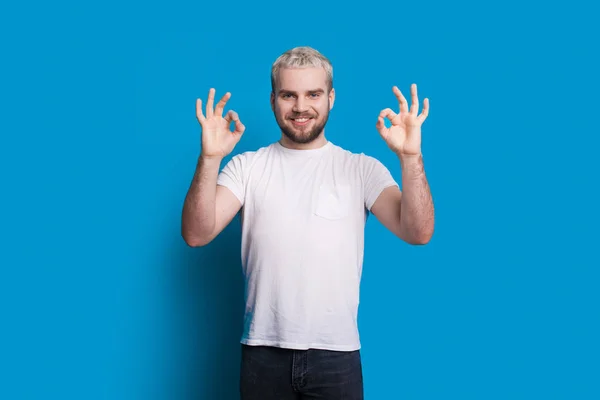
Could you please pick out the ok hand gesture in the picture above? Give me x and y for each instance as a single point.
(403, 137)
(217, 138)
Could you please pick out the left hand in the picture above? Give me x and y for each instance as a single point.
(403, 137)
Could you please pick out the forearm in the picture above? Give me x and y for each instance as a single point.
(417, 214)
(198, 216)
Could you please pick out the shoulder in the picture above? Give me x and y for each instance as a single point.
(364, 162)
(247, 158)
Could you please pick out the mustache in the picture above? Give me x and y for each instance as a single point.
(295, 116)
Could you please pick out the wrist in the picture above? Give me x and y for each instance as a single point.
(409, 158)
(209, 160)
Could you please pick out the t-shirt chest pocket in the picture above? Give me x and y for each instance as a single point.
(333, 201)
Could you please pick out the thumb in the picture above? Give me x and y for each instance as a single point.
(380, 123)
(381, 128)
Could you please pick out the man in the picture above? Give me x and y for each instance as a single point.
(304, 203)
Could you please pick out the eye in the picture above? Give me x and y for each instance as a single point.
(314, 95)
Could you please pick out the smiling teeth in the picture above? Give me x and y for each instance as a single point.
(301, 119)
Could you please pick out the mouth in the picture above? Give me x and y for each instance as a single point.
(301, 121)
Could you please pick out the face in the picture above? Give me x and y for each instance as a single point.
(301, 103)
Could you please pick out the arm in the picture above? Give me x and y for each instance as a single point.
(414, 223)
(408, 214)
(208, 208)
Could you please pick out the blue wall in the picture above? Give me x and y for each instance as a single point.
(100, 297)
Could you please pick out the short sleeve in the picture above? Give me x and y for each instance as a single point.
(376, 178)
(232, 176)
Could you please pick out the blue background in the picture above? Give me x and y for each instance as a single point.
(100, 298)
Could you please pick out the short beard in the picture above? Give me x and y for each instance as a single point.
(313, 134)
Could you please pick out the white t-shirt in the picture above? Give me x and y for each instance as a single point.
(303, 219)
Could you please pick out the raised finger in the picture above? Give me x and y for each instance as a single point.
(414, 101)
(209, 103)
(221, 104)
(425, 111)
(401, 99)
(199, 114)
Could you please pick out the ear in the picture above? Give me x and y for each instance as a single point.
(272, 101)
(331, 98)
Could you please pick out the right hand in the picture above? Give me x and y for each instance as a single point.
(217, 138)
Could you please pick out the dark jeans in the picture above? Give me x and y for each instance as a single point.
(283, 374)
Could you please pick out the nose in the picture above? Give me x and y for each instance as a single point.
(300, 106)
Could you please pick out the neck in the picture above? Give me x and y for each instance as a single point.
(319, 142)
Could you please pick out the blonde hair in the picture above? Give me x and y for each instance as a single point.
(302, 57)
